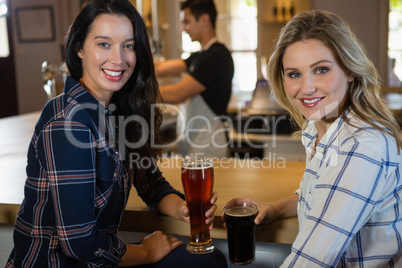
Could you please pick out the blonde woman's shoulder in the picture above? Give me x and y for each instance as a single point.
(369, 137)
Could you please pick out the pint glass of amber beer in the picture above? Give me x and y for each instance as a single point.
(197, 175)
(240, 226)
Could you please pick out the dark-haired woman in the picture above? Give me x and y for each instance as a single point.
(80, 160)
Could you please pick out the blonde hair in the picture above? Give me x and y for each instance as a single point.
(363, 95)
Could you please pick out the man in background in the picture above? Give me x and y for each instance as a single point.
(204, 91)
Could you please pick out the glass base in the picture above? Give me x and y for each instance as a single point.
(243, 263)
(200, 248)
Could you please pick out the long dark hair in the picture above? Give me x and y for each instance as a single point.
(140, 94)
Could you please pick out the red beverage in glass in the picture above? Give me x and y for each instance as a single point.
(198, 181)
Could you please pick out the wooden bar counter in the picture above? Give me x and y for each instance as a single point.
(267, 180)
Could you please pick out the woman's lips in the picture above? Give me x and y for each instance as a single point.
(113, 75)
(311, 102)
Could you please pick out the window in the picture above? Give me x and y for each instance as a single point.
(243, 30)
(4, 49)
(395, 44)
(236, 27)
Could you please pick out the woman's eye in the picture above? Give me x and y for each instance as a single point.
(322, 70)
(293, 75)
(104, 45)
(130, 46)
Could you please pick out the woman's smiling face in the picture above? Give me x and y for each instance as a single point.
(108, 56)
(313, 79)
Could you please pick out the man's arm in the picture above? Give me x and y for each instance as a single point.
(186, 88)
(170, 68)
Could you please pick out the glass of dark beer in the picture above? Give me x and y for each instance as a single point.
(197, 175)
(240, 226)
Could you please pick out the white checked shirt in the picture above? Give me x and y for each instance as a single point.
(350, 199)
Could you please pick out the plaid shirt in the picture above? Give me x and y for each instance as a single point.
(76, 188)
(350, 208)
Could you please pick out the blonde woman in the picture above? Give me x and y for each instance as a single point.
(349, 202)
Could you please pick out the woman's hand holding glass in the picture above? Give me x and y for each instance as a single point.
(269, 212)
(210, 213)
(266, 213)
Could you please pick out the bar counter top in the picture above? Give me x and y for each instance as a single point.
(267, 180)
